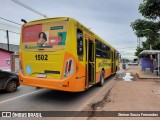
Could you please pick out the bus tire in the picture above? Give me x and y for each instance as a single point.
(101, 82)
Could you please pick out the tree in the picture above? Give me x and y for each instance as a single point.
(150, 9)
(145, 28)
(138, 50)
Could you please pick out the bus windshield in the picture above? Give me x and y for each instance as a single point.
(49, 36)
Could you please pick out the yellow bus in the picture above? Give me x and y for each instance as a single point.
(62, 54)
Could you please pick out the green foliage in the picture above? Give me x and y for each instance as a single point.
(147, 29)
(150, 9)
(143, 24)
(138, 50)
(146, 45)
(144, 28)
(156, 45)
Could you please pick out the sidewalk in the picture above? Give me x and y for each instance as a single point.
(146, 75)
(136, 95)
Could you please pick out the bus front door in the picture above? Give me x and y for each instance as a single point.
(90, 61)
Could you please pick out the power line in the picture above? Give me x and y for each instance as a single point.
(9, 31)
(9, 21)
(29, 8)
(7, 26)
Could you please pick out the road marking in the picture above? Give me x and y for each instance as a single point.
(20, 96)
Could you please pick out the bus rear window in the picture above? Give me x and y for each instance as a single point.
(46, 35)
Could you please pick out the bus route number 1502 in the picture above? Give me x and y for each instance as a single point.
(41, 57)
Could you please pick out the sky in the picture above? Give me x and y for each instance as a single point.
(109, 19)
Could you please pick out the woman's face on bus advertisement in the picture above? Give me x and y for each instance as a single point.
(41, 35)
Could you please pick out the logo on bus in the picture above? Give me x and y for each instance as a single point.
(28, 69)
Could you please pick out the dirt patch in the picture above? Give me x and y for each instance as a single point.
(98, 106)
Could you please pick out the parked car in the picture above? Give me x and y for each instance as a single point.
(9, 81)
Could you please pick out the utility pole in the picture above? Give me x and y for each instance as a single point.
(138, 42)
(7, 33)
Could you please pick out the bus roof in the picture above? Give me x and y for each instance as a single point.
(46, 20)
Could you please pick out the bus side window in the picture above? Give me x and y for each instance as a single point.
(79, 42)
(98, 47)
(108, 52)
(102, 50)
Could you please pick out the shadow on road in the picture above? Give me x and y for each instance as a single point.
(30, 98)
(61, 96)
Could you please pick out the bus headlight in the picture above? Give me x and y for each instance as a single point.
(69, 67)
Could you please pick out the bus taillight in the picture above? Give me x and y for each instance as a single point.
(69, 68)
(66, 67)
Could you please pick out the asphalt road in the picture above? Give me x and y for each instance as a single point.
(32, 99)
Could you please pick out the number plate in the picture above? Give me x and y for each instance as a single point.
(41, 75)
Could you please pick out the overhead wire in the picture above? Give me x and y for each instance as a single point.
(29, 8)
(10, 28)
(9, 31)
(4, 26)
(9, 21)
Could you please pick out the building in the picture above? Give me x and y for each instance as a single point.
(6, 60)
(14, 48)
(9, 60)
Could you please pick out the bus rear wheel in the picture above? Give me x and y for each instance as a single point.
(101, 82)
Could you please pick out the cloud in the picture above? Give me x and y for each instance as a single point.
(109, 19)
